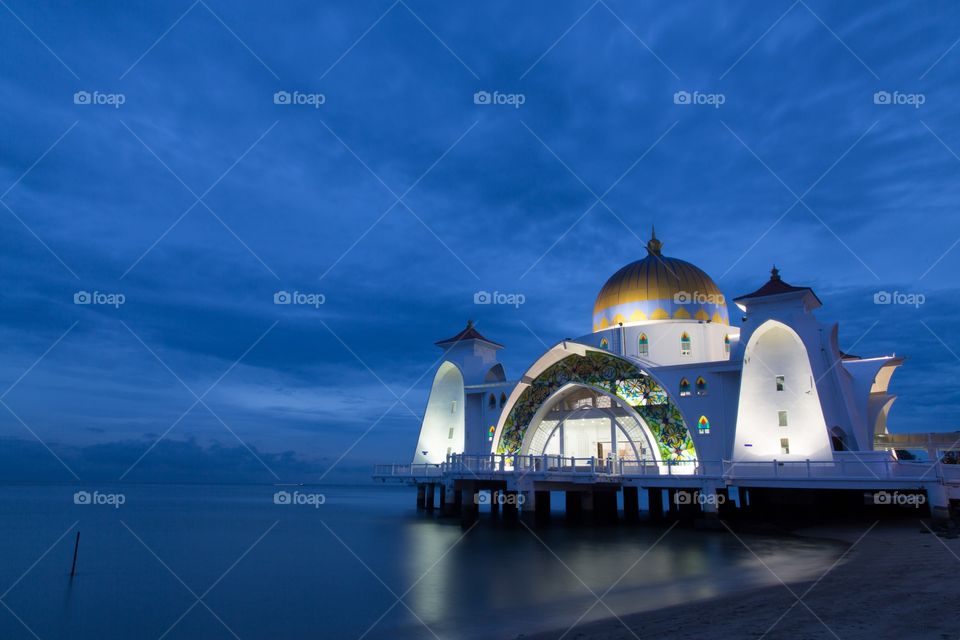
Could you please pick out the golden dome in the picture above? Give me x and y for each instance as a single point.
(658, 288)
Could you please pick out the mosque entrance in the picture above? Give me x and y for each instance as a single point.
(581, 422)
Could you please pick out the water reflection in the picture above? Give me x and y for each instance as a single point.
(301, 580)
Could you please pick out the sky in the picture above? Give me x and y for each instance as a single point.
(178, 164)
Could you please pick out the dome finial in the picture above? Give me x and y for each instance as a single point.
(653, 245)
(774, 273)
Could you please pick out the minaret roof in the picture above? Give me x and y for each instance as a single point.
(469, 333)
(775, 286)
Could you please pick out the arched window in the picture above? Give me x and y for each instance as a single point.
(703, 425)
(685, 344)
(604, 343)
(643, 345)
(492, 402)
(726, 344)
(503, 400)
(490, 433)
(701, 386)
(684, 387)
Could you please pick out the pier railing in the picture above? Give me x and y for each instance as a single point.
(853, 468)
(407, 470)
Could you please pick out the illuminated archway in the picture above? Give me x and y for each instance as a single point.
(606, 374)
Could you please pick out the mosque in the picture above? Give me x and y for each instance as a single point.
(664, 377)
(666, 392)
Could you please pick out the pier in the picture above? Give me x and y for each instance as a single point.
(703, 491)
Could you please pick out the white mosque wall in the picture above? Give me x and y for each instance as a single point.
(717, 402)
(442, 430)
(664, 341)
(774, 349)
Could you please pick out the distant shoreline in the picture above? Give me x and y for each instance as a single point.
(894, 582)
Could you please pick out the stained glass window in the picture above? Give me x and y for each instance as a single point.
(490, 433)
(685, 344)
(643, 346)
(701, 386)
(726, 344)
(604, 343)
(503, 400)
(492, 402)
(703, 425)
(684, 387)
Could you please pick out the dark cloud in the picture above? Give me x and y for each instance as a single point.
(307, 207)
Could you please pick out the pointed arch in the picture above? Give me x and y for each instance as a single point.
(685, 344)
(684, 387)
(701, 386)
(643, 345)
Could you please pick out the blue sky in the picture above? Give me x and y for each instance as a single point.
(399, 197)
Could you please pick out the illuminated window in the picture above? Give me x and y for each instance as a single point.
(684, 387)
(492, 402)
(703, 425)
(779, 383)
(604, 343)
(490, 433)
(726, 344)
(643, 346)
(785, 445)
(685, 344)
(701, 386)
(503, 400)
(782, 418)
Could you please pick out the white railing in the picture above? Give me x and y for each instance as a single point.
(842, 469)
(846, 468)
(407, 470)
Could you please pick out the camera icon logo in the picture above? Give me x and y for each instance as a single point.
(882, 297)
(481, 497)
(82, 297)
(482, 297)
(81, 97)
(683, 498)
(682, 297)
(81, 497)
(282, 297)
(482, 97)
(681, 97)
(281, 497)
(281, 97)
(881, 97)
(882, 497)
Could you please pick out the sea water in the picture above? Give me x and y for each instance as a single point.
(196, 561)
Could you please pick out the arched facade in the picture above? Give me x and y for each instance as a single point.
(779, 425)
(442, 431)
(634, 392)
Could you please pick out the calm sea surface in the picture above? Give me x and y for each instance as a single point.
(180, 561)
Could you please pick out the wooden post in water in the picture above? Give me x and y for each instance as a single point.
(76, 547)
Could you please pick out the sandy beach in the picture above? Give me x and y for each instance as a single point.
(897, 581)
